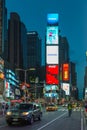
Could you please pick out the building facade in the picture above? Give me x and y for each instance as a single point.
(3, 28)
(17, 41)
(33, 49)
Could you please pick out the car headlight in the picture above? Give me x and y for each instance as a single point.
(9, 113)
(25, 113)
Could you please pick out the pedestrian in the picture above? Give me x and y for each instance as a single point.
(3, 108)
(6, 107)
(69, 109)
(86, 106)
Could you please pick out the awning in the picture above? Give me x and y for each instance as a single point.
(16, 101)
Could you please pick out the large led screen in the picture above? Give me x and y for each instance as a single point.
(66, 72)
(66, 88)
(52, 74)
(52, 55)
(52, 35)
(52, 19)
(51, 95)
(51, 87)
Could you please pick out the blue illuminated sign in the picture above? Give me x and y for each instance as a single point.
(52, 19)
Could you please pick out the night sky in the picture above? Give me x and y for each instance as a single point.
(72, 24)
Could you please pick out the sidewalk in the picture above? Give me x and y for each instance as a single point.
(2, 119)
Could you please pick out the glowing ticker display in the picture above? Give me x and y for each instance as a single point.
(66, 72)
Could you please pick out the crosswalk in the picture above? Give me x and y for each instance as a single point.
(65, 109)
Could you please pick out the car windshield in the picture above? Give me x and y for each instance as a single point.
(25, 106)
(52, 105)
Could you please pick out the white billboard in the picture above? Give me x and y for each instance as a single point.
(66, 88)
(52, 55)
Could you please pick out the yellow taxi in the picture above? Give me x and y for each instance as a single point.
(52, 107)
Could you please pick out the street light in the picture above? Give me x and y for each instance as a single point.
(25, 74)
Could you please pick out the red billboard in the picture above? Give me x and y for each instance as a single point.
(52, 74)
(66, 72)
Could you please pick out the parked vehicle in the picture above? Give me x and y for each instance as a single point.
(23, 113)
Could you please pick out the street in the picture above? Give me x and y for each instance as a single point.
(52, 121)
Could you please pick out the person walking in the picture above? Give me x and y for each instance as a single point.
(69, 109)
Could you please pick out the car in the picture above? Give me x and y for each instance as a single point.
(51, 107)
(24, 113)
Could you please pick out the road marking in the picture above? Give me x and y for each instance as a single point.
(51, 121)
(81, 121)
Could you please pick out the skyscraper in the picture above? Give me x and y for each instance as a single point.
(14, 41)
(63, 50)
(3, 27)
(33, 49)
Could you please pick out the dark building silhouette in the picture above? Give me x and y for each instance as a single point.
(3, 28)
(17, 41)
(63, 50)
(64, 58)
(73, 80)
(85, 78)
(33, 49)
(85, 84)
(14, 40)
(23, 50)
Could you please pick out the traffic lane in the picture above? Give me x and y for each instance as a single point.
(65, 123)
(47, 117)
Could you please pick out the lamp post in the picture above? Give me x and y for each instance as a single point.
(25, 74)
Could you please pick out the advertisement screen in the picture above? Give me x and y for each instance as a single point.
(51, 95)
(66, 72)
(52, 55)
(51, 87)
(52, 73)
(52, 19)
(52, 35)
(66, 88)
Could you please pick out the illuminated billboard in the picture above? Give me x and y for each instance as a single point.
(52, 55)
(66, 88)
(51, 95)
(66, 72)
(52, 73)
(52, 19)
(52, 35)
(51, 87)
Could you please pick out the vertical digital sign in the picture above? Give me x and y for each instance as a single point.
(52, 55)
(66, 72)
(52, 49)
(52, 72)
(52, 35)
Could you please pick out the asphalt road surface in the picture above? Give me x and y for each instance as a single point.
(56, 120)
